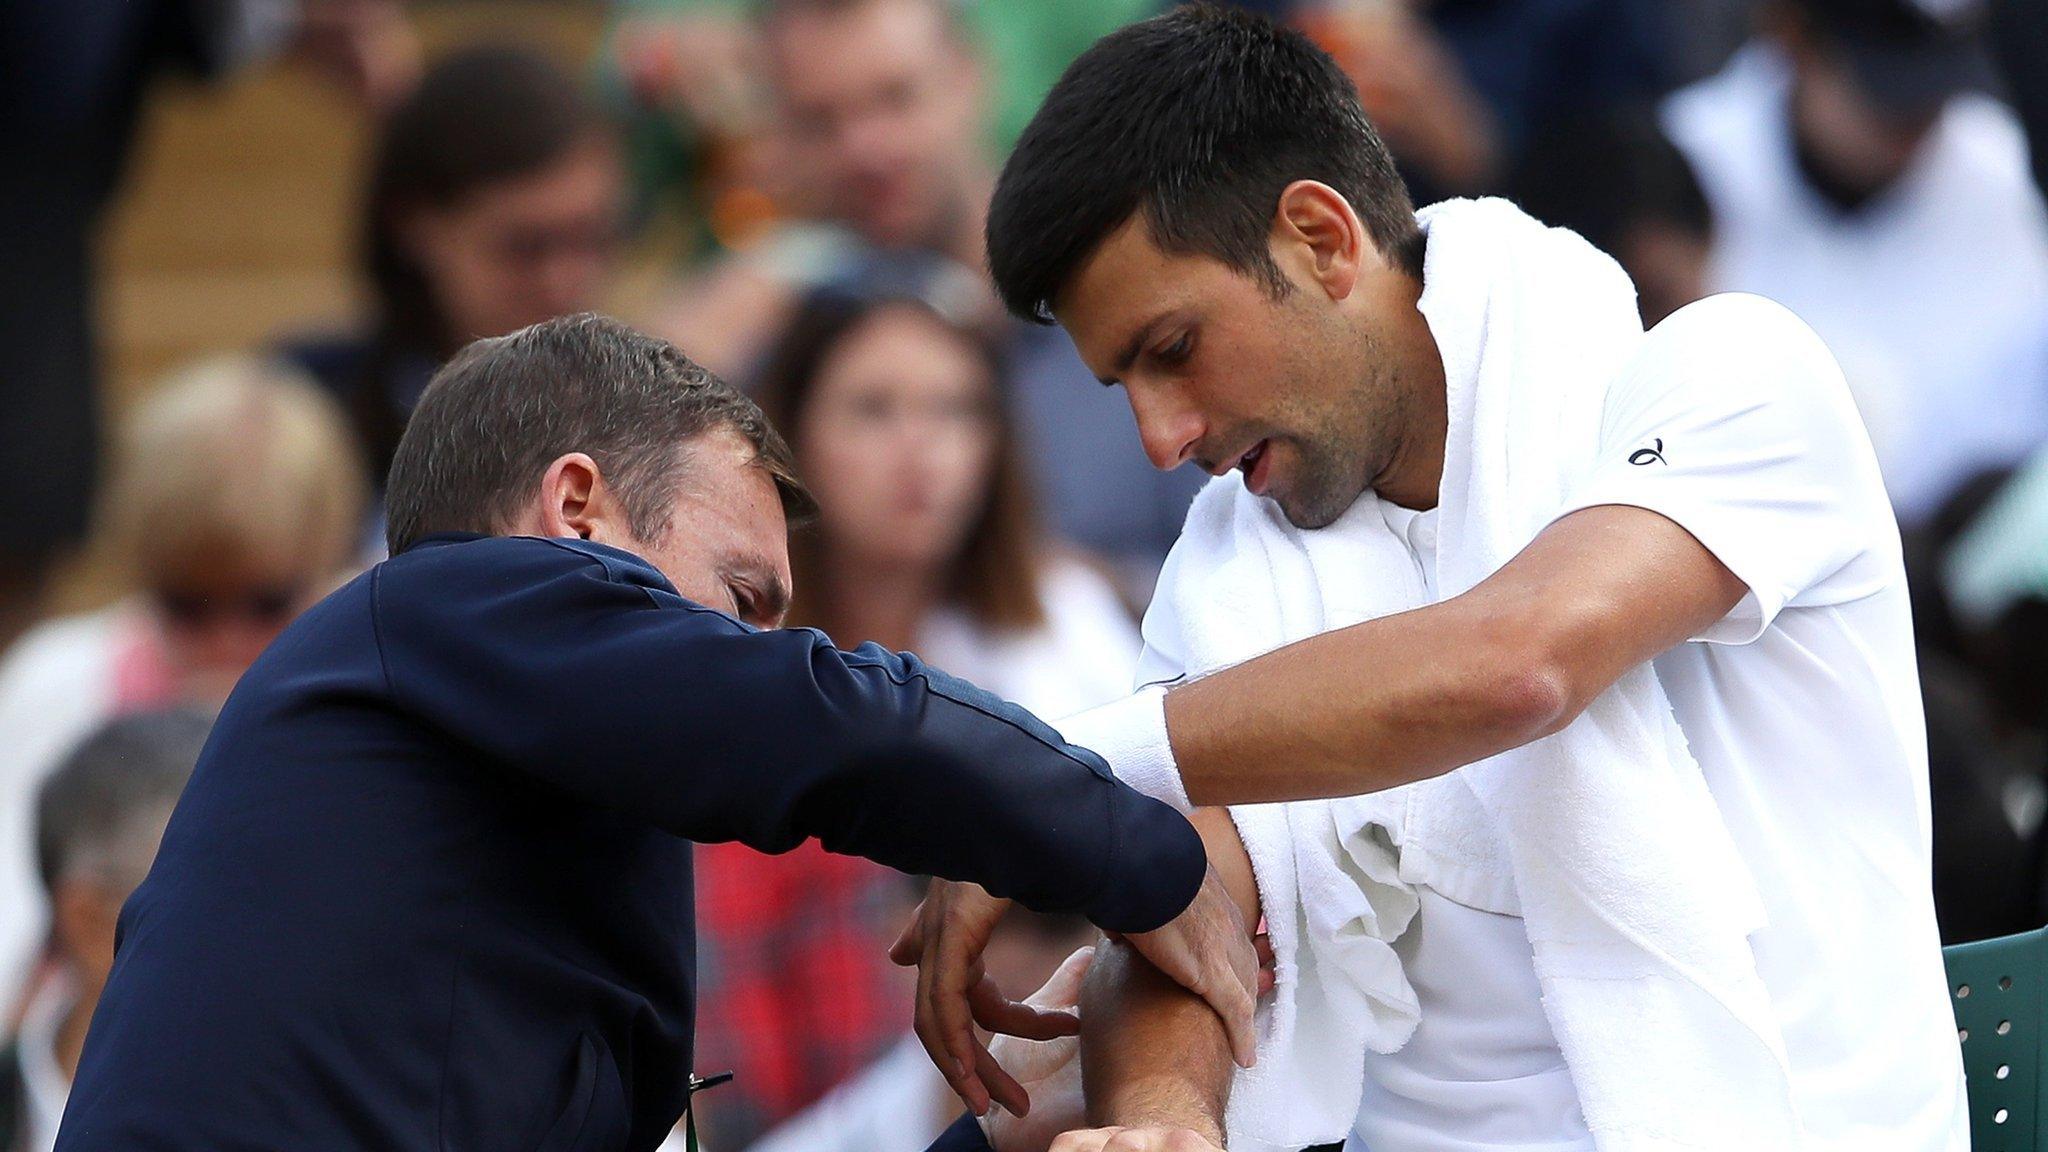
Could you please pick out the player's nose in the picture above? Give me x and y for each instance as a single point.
(1169, 427)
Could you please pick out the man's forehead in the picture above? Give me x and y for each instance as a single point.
(722, 476)
(815, 50)
(733, 510)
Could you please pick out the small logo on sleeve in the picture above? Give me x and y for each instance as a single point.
(1651, 455)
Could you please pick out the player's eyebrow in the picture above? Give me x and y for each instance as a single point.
(1129, 354)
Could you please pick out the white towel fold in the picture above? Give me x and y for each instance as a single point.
(1603, 836)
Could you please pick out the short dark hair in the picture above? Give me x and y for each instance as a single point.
(506, 407)
(1198, 118)
(102, 807)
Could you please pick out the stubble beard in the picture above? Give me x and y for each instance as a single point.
(1346, 447)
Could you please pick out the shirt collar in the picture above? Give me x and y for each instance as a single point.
(617, 561)
(437, 539)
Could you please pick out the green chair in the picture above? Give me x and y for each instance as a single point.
(1997, 987)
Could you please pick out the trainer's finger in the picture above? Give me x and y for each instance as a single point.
(954, 976)
(1235, 992)
(959, 1074)
(1002, 1087)
(998, 1013)
(909, 946)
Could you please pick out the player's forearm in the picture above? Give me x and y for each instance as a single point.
(1151, 1052)
(1154, 1053)
(1374, 706)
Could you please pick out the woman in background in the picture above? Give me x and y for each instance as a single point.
(494, 201)
(926, 537)
(925, 540)
(235, 501)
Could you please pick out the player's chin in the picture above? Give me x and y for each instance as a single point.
(1307, 508)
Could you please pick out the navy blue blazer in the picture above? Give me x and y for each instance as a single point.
(429, 887)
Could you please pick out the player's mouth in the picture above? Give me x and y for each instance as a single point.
(1257, 466)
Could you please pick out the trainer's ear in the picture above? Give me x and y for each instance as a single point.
(576, 502)
(1317, 238)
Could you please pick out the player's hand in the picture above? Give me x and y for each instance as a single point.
(1135, 1140)
(1049, 1070)
(1205, 949)
(945, 939)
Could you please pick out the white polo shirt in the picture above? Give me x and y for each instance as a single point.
(1803, 709)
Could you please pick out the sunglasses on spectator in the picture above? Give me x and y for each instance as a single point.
(267, 604)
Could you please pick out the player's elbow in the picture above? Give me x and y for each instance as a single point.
(1534, 680)
(1531, 698)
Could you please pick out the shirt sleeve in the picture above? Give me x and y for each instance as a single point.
(1735, 423)
(556, 665)
(964, 1136)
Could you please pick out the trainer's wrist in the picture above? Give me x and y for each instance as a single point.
(1130, 735)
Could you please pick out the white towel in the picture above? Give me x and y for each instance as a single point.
(1241, 582)
(1636, 901)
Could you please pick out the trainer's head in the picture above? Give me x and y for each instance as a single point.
(583, 427)
(1203, 205)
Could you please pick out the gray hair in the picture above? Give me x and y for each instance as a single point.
(506, 407)
(102, 813)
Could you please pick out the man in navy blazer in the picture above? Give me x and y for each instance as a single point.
(429, 887)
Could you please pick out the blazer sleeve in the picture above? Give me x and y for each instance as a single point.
(561, 666)
(964, 1136)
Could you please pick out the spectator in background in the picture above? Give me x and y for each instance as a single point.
(495, 200)
(98, 821)
(1856, 177)
(2019, 35)
(1994, 577)
(926, 539)
(927, 535)
(235, 500)
(685, 75)
(882, 107)
(1459, 88)
(1619, 182)
(1993, 581)
(72, 78)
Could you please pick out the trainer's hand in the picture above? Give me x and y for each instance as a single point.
(1049, 1070)
(1135, 1140)
(1206, 950)
(945, 939)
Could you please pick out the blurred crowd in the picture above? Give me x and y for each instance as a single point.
(983, 500)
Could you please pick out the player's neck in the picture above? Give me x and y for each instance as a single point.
(1412, 477)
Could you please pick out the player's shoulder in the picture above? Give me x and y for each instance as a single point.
(1736, 322)
(1738, 344)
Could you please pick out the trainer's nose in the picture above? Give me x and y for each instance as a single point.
(1169, 426)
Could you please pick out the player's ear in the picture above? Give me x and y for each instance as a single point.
(1317, 238)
